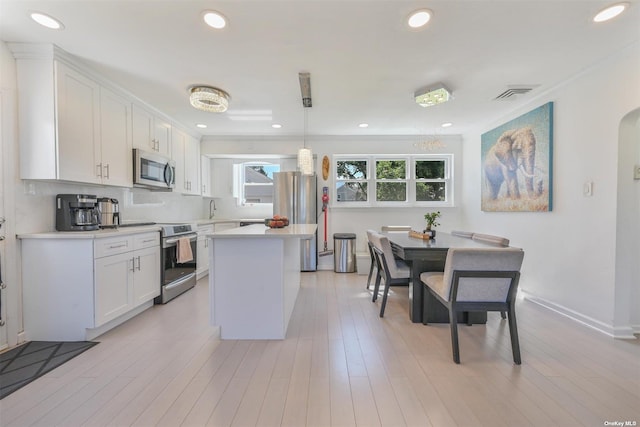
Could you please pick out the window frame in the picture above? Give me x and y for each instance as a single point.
(411, 180)
(241, 199)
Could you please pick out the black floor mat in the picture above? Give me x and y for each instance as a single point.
(21, 365)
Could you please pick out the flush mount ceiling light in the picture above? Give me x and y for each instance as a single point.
(432, 95)
(201, 126)
(214, 19)
(210, 99)
(419, 18)
(610, 12)
(46, 21)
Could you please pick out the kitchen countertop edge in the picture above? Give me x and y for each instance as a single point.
(93, 234)
(304, 231)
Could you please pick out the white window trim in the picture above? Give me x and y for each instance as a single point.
(410, 180)
(239, 184)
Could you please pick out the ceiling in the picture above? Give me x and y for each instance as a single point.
(365, 63)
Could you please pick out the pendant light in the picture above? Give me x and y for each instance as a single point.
(305, 156)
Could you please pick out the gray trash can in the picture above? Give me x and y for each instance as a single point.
(344, 252)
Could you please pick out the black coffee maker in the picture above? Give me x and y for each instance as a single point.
(76, 212)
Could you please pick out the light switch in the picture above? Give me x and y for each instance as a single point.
(636, 172)
(587, 189)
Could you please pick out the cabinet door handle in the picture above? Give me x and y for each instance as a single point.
(133, 264)
(138, 262)
(99, 170)
(106, 169)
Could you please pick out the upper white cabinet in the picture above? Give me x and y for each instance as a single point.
(205, 176)
(115, 137)
(71, 127)
(150, 131)
(185, 151)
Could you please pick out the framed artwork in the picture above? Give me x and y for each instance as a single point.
(517, 164)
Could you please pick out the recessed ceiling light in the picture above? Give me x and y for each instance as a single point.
(610, 12)
(363, 125)
(446, 125)
(214, 19)
(47, 21)
(276, 125)
(419, 18)
(201, 126)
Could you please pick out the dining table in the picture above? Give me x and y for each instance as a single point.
(429, 255)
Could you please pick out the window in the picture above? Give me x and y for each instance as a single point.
(351, 181)
(257, 182)
(391, 180)
(386, 180)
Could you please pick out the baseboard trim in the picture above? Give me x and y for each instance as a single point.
(618, 332)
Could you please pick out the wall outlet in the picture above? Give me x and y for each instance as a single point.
(636, 172)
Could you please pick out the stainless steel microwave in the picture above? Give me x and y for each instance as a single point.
(153, 170)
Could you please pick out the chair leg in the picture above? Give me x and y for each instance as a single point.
(513, 331)
(502, 313)
(376, 287)
(384, 299)
(453, 321)
(370, 274)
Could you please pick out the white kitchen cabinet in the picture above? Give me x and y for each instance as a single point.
(205, 177)
(71, 127)
(113, 285)
(77, 100)
(202, 260)
(185, 151)
(222, 177)
(116, 161)
(128, 278)
(89, 284)
(150, 131)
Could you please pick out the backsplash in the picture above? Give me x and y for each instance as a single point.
(35, 205)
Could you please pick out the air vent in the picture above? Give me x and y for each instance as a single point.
(515, 91)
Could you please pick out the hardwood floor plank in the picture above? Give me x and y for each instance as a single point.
(364, 404)
(319, 402)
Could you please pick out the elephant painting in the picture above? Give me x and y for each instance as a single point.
(514, 150)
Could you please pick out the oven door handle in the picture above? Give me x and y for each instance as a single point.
(172, 241)
(179, 282)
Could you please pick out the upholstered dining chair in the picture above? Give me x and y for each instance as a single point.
(488, 238)
(478, 279)
(394, 271)
(392, 228)
(466, 234)
(373, 258)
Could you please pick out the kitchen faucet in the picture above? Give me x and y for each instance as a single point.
(212, 212)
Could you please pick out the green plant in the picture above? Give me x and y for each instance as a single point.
(431, 219)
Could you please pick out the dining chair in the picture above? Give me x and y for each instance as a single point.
(478, 279)
(396, 271)
(390, 228)
(373, 258)
(467, 234)
(488, 238)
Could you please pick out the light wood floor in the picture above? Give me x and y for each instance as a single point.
(341, 365)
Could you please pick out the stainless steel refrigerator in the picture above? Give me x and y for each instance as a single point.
(294, 196)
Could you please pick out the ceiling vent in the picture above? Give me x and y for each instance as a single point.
(515, 91)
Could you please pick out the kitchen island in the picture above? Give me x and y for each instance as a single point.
(254, 279)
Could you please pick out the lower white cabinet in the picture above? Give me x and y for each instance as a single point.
(202, 260)
(78, 288)
(127, 278)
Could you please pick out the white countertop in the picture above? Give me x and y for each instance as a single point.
(304, 231)
(94, 234)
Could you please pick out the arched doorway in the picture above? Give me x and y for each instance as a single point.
(627, 285)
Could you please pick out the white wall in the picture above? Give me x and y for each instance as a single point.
(343, 220)
(570, 261)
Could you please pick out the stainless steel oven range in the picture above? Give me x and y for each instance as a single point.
(178, 260)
